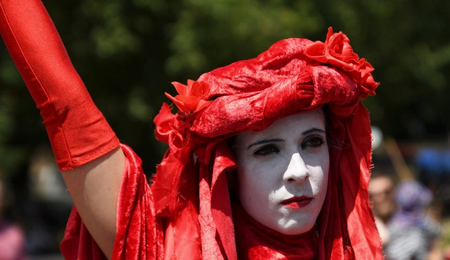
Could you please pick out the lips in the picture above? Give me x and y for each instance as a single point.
(297, 202)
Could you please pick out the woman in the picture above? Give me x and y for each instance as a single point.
(293, 111)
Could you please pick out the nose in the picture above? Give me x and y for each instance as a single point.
(296, 172)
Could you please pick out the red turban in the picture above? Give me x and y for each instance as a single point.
(293, 75)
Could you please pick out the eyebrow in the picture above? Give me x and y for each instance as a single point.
(264, 141)
(314, 129)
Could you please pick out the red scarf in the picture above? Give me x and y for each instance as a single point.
(292, 76)
(187, 214)
(255, 241)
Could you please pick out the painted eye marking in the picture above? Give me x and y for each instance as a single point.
(312, 139)
(265, 141)
(313, 142)
(266, 150)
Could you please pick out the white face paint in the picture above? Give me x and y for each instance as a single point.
(283, 172)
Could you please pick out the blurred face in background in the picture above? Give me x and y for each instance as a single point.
(381, 191)
(283, 172)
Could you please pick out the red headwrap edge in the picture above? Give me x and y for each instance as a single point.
(294, 75)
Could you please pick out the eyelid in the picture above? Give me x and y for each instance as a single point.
(319, 135)
(273, 147)
(305, 134)
(313, 137)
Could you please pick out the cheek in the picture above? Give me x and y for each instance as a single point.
(320, 173)
(247, 180)
(319, 180)
(254, 181)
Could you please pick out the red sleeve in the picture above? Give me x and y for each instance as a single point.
(139, 231)
(77, 130)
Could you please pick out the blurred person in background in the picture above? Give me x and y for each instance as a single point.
(12, 238)
(192, 210)
(413, 234)
(381, 192)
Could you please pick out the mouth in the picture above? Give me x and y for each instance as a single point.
(297, 202)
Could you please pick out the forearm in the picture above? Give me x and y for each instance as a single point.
(57, 89)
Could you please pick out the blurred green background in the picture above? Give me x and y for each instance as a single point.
(128, 52)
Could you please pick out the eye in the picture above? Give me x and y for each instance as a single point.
(313, 142)
(266, 150)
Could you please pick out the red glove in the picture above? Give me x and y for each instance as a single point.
(77, 130)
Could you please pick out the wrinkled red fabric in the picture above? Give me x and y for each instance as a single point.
(140, 234)
(187, 212)
(256, 241)
(292, 76)
(77, 130)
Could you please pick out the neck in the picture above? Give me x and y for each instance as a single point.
(255, 241)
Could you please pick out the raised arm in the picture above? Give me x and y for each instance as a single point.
(85, 147)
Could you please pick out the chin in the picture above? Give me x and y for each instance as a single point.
(295, 228)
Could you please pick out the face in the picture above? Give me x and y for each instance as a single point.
(283, 172)
(381, 191)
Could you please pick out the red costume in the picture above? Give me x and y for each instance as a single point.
(187, 212)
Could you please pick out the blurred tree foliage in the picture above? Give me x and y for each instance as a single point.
(128, 52)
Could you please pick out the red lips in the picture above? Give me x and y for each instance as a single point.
(297, 202)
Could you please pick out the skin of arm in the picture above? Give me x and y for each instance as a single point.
(94, 188)
(81, 138)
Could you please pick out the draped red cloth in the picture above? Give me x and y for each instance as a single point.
(139, 233)
(187, 212)
(255, 241)
(292, 76)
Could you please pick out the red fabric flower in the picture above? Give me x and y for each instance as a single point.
(167, 127)
(337, 52)
(190, 97)
(164, 122)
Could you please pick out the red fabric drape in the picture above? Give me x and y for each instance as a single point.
(139, 233)
(292, 76)
(187, 212)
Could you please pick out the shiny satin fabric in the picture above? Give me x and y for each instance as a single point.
(187, 212)
(256, 241)
(77, 130)
(292, 76)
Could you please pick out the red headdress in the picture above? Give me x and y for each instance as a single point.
(294, 75)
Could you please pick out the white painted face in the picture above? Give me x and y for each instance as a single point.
(283, 172)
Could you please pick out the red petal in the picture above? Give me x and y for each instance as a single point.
(163, 122)
(202, 104)
(316, 51)
(181, 89)
(184, 103)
